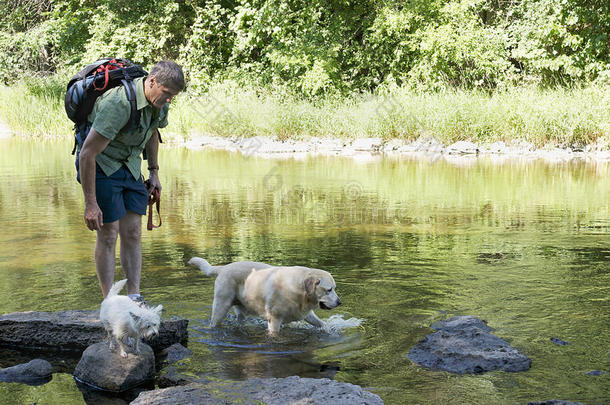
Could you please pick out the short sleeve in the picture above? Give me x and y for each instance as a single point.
(112, 114)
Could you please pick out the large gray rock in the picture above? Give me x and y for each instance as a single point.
(464, 344)
(73, 330)
(35, 372)
(271, 391)
(107, 370)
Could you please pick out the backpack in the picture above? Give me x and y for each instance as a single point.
(90, 83)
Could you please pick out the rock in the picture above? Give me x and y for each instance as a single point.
(496, 147)
(464, 344)
(73, 330)
(459, 323)
(392, 145)
(175, 352)
(462, 148)
(367, 144)
(271, 391)
(554, 402)
(596, 373)
(170, 377)
(559, 342)
(35, 372)
(107, 370)
(184, 395)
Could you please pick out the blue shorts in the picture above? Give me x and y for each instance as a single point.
(118, 193)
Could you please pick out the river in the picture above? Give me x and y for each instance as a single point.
(523, 245)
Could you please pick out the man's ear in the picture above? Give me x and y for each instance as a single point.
(135, 317)
(310, 284)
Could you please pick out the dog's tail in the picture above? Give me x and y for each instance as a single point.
(116, 288)
(204, 266)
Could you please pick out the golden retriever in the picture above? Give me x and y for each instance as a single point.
(277, 294)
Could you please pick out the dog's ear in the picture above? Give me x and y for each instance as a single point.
(158, 309)
(310, 285)
(135, 317)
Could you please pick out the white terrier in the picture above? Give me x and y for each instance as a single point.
(123, 318)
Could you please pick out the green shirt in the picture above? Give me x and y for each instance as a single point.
(110, 114)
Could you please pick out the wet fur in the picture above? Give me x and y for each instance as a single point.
(277, 294)
(123, 318)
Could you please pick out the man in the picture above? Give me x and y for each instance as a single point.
(109, 169)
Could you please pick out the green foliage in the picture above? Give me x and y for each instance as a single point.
(459, 50)
(318, 49)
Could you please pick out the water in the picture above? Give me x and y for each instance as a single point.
(522, 245)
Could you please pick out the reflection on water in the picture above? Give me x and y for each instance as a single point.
(524, 246)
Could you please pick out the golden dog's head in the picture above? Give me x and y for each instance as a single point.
(321, 287)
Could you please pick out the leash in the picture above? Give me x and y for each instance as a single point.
(153, 198)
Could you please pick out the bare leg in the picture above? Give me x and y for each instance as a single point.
(130, 232)
(105, 256)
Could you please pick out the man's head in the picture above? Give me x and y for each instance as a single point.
(163, 83)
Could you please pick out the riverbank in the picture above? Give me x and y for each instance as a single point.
(524, 122)
(461, 152)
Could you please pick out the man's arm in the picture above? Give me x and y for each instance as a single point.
(94, 145)
(152, 149)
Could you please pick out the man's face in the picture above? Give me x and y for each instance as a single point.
(158, 95)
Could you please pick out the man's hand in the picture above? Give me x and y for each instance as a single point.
(93, 217)
(94, 145)
(153, 182)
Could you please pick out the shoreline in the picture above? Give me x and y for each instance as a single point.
(461, 152)
(365, 149)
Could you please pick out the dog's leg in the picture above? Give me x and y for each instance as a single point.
(313, 319)
(273, 325)
(220, 308)
(109, 337)
(111, 345)
(137, 345)
(122, 347)
(240, 314)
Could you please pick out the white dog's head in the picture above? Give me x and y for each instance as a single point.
(146, 321)
(321, 287)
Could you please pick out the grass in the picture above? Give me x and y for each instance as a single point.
(571, 117)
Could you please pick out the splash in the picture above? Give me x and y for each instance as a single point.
(335, 324)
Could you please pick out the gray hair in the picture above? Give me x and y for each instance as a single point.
(168, 73)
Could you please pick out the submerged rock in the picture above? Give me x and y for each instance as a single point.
(170, 377)
(104, 369)
(175, 352)
(559, 342)
(271, 391)
(35, 372)
(464, 344)
(555, 402)
(73, 330)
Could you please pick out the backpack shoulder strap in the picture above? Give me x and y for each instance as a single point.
(130, 90)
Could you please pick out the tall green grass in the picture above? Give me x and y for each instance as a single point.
(561, 117)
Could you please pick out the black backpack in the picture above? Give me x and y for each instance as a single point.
(91, 82)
